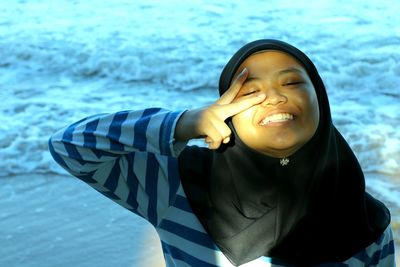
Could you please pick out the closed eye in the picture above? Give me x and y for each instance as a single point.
(292, 83)
(250, 93)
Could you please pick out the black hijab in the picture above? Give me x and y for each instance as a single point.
(312, 210)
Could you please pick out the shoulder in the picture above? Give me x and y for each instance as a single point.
(379, 253)
(195, 160)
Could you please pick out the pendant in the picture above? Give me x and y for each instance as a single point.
(284, 161)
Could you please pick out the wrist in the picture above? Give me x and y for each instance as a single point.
(186, 126)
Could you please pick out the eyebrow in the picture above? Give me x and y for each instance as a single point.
(281, 72)
(278, 73)
(251, 78)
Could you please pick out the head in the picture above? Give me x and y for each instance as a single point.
(290, 114)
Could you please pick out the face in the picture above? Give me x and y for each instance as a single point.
(289, 116)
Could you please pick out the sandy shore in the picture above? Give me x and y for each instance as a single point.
(60, 221)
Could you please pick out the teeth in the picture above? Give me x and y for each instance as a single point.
(277, 118)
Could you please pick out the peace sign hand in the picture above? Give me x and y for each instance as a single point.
(209, 122)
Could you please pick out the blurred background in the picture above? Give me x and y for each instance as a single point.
(63, 60)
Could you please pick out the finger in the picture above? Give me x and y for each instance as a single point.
(223, 129)
(224, 134)
(213, 139)
(217, 132)
(226, 140)
(234, 108)
(208, 142)
(234, 89)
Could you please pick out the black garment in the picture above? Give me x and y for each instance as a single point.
(313, 210)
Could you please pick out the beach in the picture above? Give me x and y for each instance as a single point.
(58, 221)
(48, 221)
(61, 61)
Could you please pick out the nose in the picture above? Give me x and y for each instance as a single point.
(274, 97)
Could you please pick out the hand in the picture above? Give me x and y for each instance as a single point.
(209, 122)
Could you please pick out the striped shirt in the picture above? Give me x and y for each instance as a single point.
(131, 158)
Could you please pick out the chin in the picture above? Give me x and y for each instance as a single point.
(272, 141)
(280, 140)
(281, 150)
(277, 148)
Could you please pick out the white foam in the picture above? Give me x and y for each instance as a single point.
(64, 60)
(59, 64)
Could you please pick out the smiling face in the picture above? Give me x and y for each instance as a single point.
(289, 116)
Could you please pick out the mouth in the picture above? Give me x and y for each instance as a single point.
(276, 118)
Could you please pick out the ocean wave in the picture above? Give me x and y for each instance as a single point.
(63, 61)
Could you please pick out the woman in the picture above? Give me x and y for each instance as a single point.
(278, 186)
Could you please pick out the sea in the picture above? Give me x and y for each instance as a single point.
(64, 60)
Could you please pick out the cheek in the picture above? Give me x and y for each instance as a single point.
(313, 106)
(243, 122)
(308, 102)
(243, 118)
(306, 99)
(315, 112)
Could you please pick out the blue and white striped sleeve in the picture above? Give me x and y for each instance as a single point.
(129, 156)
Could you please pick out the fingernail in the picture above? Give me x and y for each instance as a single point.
(243, 71)
(261, 96)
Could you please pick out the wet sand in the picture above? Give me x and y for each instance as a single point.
(59, 221)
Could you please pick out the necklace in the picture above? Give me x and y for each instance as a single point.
(284, 161)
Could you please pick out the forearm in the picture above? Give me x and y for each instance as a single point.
(127, 156)
(104, 137)
(186, 127)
